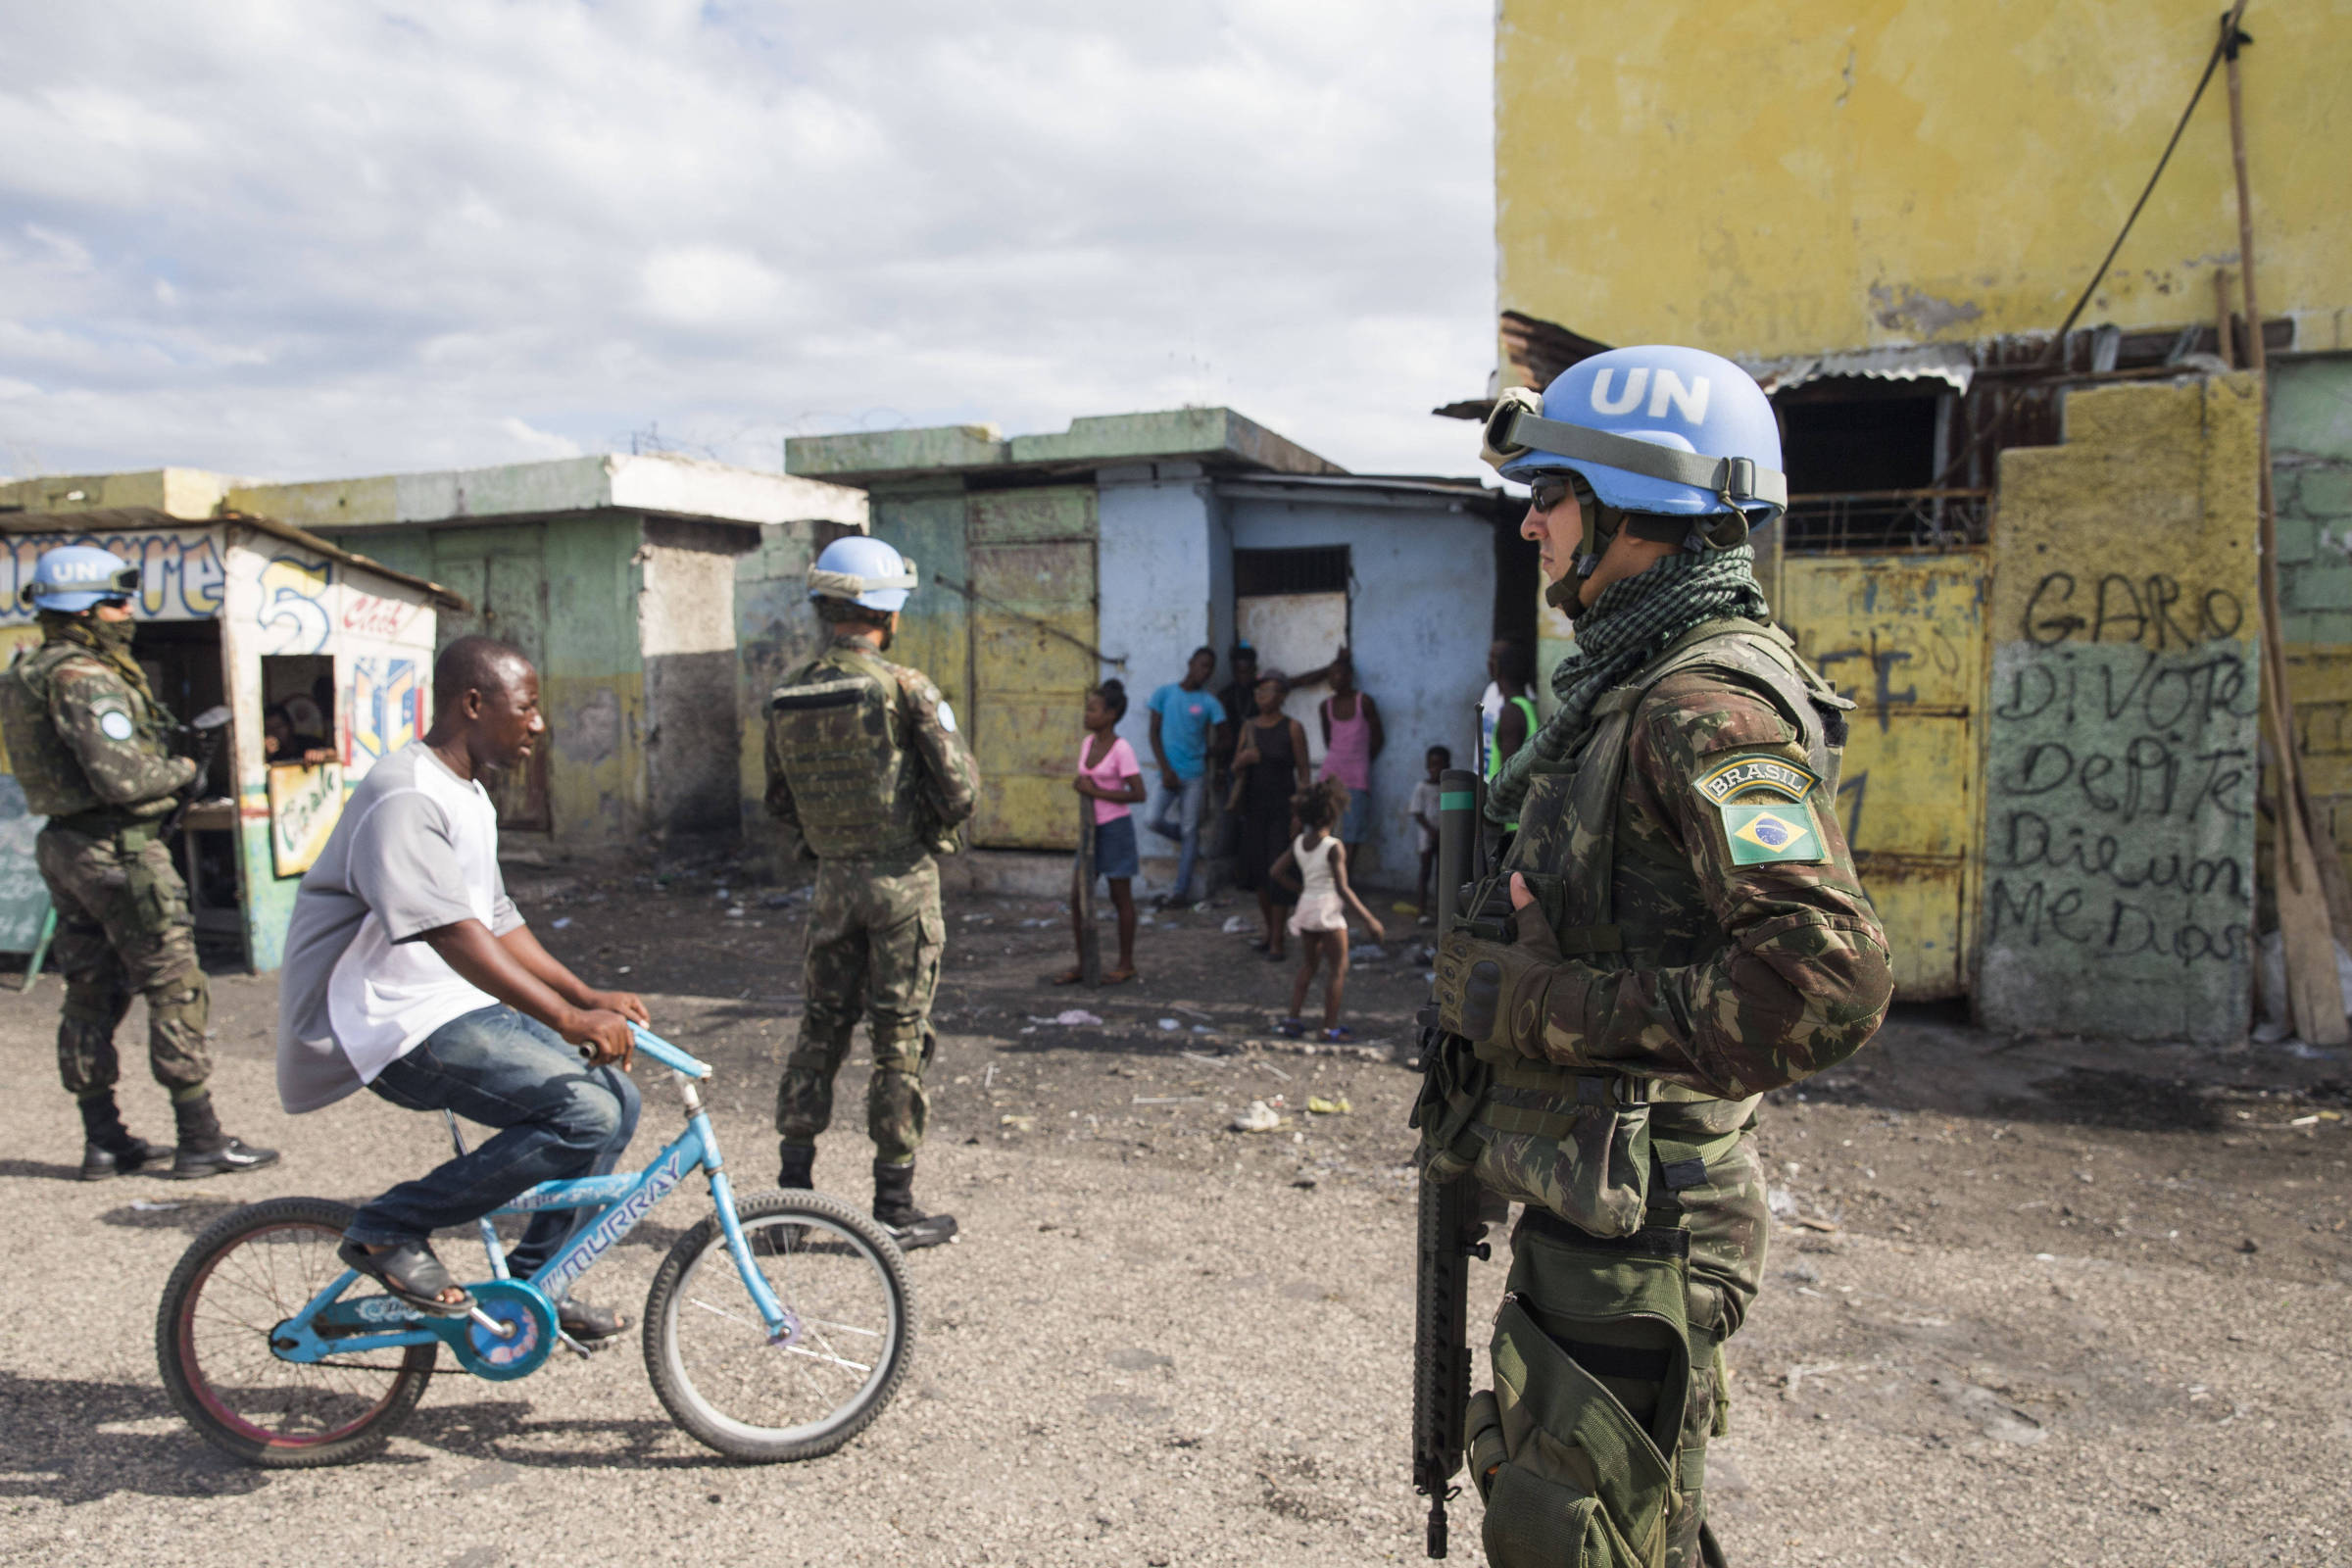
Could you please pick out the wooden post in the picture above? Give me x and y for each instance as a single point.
(2224, 342)
(1082, 908)
(2315, 997)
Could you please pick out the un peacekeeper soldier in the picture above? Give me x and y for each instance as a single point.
(864, 763)
(1687, 932)
(91, 746)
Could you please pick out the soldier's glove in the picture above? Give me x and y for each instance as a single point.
(1492, 992)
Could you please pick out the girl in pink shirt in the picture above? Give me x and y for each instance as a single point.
(1109, 776)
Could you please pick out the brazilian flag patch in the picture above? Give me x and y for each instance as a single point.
(1772, 831)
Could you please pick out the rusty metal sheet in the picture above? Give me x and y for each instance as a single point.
(1904, 637)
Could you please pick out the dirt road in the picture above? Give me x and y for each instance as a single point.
(2029, 1303)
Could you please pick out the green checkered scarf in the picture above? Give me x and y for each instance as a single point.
(1630, 624)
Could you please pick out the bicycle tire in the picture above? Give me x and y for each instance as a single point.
(361, 1422)
(785, 1221)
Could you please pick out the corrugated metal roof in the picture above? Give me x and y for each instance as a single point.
(105, 520)
(1952, 363)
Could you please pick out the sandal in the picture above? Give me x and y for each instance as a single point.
(1292, 1028)
(409, 1272)
(1118, 977)
(589, 1323)
(1067, 977)
(1340, 1035)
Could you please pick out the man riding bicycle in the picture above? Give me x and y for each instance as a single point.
(409, 972)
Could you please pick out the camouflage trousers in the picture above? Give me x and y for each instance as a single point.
(1582, 1312)
(875, 933)
(124, 929)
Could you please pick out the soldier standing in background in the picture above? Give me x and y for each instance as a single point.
(1685, 930)
(90, 745)
(864, 763)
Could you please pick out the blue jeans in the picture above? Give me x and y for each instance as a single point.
(559, 1118)
(1182, 802)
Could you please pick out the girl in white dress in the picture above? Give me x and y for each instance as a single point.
(1317, 864)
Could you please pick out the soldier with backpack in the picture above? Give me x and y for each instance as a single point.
(865, 765)
(92, 746)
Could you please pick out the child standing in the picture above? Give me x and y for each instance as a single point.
(1108, 775)
(1317, 864)
(1425, 820)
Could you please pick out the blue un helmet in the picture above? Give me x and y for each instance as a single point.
(863, 570)
(73, 577)
(1668, 431)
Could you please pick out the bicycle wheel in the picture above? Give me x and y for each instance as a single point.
(708, 1353)
(245, 1274)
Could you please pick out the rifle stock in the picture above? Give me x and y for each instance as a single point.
(1450, 1232)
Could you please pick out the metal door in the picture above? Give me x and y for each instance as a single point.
(1904, 637)
(1032, 603)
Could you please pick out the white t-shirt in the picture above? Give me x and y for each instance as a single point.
(417, 849)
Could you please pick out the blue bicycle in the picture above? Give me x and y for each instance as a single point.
(777, 1329)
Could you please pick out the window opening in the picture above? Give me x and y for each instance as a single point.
(1866, 460)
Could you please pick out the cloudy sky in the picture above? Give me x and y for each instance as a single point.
(306, 238)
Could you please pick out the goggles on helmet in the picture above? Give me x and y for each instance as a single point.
(115, 587)
(1516, 426)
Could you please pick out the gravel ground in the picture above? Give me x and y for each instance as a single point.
(2018, 1290)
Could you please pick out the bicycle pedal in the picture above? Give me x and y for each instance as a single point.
(583, 1351)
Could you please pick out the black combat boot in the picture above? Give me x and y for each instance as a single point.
(108, 1148)
(894, 1206)
(797, 1162)
(205, 1150)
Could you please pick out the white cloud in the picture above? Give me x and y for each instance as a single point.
(304, 240)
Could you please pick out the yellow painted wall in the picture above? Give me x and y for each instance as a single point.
(1840, 174)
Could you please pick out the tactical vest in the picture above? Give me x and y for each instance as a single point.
(1592, 1147)
(44, 765)
(841, 729)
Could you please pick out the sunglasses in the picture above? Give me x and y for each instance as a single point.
(1548, 491)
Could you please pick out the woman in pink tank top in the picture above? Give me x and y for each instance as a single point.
(1351, 739)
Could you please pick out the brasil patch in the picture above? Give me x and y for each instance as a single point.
(1747, 775)
(1772, 831)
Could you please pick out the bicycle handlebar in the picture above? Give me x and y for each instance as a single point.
(667, 1055)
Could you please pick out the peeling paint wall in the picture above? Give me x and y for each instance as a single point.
(1160, 592)
(1779, 179)
(686, 637)
(2123, 719)
(1421, 618)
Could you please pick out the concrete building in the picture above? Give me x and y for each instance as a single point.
(248, 611)
(1117, 547)
(2030, 558)
(619, 577)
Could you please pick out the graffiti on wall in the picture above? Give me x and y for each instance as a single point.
(385, 708)
(2122, 782)
(369, 616)
(181, 573)
(292, 614)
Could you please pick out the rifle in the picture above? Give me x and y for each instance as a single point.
(1450, 1232)
(207, 728)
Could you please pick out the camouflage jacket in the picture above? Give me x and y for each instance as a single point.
(1713, 929)
(863, 757)
(83, 737)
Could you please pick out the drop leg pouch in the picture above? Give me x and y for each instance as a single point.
(1576, 1480)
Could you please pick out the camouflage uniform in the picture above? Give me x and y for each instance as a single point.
(90, 744)
(1700, 936)
(864, 765)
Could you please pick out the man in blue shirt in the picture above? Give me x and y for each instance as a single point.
(1186, 719)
